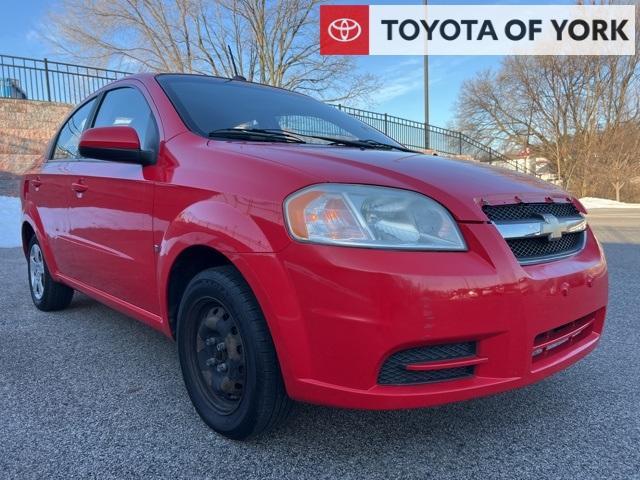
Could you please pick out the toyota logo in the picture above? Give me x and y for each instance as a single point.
(344, 30)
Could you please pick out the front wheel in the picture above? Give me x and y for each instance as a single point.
(47, 294)
(227, 357)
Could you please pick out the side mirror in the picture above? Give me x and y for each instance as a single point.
(117, 144)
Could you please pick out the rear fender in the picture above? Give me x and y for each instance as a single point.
(30, 216)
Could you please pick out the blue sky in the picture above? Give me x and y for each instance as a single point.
(400, 95)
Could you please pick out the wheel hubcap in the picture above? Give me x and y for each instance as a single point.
(36, 270)
(221, 359)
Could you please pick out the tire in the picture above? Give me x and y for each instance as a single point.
(47, 294)
(227, 357)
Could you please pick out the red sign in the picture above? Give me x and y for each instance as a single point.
(344, 29)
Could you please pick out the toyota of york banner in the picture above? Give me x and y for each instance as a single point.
(477, 30)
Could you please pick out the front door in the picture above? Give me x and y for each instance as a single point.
(110, 214)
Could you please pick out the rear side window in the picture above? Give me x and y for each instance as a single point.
(127, 107)
(67, 144)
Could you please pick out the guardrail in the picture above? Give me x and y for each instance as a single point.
(45, 80)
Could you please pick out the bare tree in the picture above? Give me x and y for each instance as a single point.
(556, 106)
(273, 42)
(571, 110)
(619, 163)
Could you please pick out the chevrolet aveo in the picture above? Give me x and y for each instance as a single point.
(295, 253)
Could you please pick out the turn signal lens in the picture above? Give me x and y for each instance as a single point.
(368, 216)
(318, 215)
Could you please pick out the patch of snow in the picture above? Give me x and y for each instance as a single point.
(592, 202)
(10, 222)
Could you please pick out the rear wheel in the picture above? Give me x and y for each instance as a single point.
(227, 356)
(47, 294)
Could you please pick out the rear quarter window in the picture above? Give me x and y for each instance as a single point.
(66, 147)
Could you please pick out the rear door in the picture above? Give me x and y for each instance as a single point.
(49, 190)
(110, 212)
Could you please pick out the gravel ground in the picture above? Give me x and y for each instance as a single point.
(90, 393)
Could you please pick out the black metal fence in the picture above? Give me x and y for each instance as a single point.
(414, 134)
(44, 80)
(48, 81)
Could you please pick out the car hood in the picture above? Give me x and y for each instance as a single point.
(462, 186)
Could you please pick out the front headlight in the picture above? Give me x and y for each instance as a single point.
(368, 216)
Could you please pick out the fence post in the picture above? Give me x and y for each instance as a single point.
(385, 123)
(340, 107)
(46, 73)
(427, 135)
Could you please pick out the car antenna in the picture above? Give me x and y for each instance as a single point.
(235, 69)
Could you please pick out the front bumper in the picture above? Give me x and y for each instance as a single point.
(336, 314)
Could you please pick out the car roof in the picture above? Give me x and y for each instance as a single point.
(150, 77)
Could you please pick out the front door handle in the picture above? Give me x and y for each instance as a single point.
(36, 182)
(79, 187)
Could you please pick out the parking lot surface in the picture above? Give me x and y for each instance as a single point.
(88, 392)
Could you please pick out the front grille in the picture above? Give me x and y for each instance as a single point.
(528, 211)
(531, 249)
(394, 371)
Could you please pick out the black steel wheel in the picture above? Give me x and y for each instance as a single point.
(220, 355)
(227, 356)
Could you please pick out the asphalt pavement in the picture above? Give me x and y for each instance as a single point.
(89, 393)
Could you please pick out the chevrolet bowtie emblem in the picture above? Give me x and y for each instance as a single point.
(548, 226)
(552, 227)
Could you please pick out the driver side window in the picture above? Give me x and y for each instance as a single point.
(127, 107)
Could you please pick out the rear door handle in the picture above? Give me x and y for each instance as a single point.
(79, 187)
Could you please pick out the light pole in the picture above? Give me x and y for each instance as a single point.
(427, 140)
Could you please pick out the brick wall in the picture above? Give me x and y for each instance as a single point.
(25, 130)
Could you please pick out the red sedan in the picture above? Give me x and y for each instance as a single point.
(296, 253)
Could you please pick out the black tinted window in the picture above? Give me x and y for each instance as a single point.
(207, 104)
(69, 137)
(127, 107)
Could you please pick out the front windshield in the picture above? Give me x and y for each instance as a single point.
(212, 105)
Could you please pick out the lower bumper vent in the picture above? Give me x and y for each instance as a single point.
(433, 363)
(559, 339)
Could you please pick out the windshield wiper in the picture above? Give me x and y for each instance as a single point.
(387, 146)
(372, 144)
(255, 134)
(265, 134)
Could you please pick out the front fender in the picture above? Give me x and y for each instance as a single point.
(222, 227)
(231, 230)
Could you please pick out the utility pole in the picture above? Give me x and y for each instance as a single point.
(427, 140)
